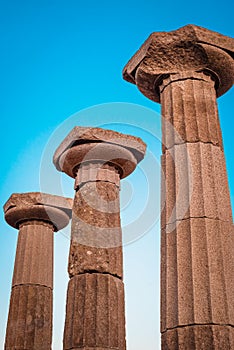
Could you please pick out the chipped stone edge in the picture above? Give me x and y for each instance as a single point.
(86, 134)
(28, 199)
(191, 32)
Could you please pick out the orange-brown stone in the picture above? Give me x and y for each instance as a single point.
(97, 159)
(185, 70)
(37, 216)
(95, 313)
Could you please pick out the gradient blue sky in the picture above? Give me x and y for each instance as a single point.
(59, 58)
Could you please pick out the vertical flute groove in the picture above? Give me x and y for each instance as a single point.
(30, 314)
(196, 248)
(95, 263)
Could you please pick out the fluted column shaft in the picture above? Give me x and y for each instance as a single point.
(197, 242)
(37, 216)
(95, 299)
(30, 314)
(97, 159)
(186, 70)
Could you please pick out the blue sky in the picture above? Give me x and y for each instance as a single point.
(61, 66)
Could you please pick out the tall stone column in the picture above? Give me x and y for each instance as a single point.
(186, 70)
(97, 159)
(37, 216)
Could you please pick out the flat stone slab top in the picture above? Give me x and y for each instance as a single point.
(188, 48)
(83, 141)
(37, 206)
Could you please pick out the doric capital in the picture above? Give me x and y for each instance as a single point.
(190, 48)
(22, 207)
(85, 145)
(93, 172)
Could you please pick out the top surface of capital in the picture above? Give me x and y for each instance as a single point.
(190, 48)
(86, 144)
(38, 206)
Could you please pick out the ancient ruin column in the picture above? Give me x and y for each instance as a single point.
(37, 216)
(97, 159)
(186, 70)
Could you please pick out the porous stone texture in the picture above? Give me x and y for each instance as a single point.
(196, 183)
(30, 318)
(21, 207)
(197, 273)
(199, 337)
(96, 303)
(194, 116)
(197, 241)
(187, 49)
(34, 254)
(96, 239)
(97, 159)
(83, 135)
(95, 262)
(92, 173)
(186, 70)
(30, 315)
(19, 200)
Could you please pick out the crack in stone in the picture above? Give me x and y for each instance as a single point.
(98, 273)
(192, 142)
(78, 187)
(182, 79)
(199, 325)
(30, 285)
(196, 217)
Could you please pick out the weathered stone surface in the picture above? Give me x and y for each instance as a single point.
(30, 318)
(97, 159)
(38, 206)
(34, 255)
(92, 172)
(104, 153)
(197, 273)
(200, 337)
(196, 183)
(37, 215)
(189, 110)
(186, 70)
(37, 198)
(96, 239)
(189, 48)
(95, 313)
(82, 135)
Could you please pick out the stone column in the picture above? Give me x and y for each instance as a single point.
(97, 159)
(185, 71)
(37, 216)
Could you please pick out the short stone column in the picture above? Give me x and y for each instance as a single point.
(97, 159)
(37, 216)
(185, 71)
